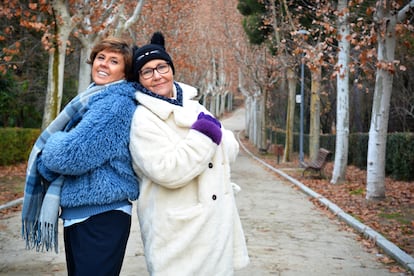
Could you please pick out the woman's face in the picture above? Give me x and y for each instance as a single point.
(108, 67)
(159, 83)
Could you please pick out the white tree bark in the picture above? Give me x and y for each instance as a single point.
(386, 26)
(84, 77)
(248, 104)
(342, 106)
(124, 23)
(57, 62)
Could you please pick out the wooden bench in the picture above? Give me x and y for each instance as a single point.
(318, 165)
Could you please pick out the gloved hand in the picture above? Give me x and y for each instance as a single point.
(209, 126)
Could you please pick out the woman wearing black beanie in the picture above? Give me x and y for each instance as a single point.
(187, 210)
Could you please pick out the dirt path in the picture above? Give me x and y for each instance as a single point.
(286, 234)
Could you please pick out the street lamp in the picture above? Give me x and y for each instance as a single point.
(302, 100)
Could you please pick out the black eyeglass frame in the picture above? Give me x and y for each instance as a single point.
(161, 72)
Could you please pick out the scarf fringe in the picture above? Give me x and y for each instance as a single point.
(40, 236)
(49, 237)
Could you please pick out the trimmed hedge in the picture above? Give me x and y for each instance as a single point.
(16, 144)
(400, 156)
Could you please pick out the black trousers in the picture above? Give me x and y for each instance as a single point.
(97, 246)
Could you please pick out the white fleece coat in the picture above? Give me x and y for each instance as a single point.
(187, 211)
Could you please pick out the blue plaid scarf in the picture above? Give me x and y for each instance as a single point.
(41, 200)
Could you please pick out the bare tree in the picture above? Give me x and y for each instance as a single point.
(57, 44)
(342, 105)
(387, 17)
(99, 21)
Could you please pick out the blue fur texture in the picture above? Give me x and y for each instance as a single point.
(94, 156)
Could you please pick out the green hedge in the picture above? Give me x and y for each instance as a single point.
(358, 150)
(16, 144)
(400, 156)
(399, 153)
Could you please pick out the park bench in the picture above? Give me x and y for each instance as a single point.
(318, 165)
(275, 149)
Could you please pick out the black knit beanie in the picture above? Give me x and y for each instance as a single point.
(154, 50)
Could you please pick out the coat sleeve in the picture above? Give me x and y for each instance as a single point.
(98, 138)
(161, 154)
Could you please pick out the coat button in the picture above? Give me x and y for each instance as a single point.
(214, 197)
(210, 165)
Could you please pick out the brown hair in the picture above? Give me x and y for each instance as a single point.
(115, 45)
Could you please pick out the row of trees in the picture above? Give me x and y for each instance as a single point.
(341, 39)
(64, 32)
(44, 47)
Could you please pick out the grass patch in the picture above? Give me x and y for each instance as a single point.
(395, 216)
(359, 191)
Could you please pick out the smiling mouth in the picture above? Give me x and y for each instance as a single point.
(103, 74)
(159, 84)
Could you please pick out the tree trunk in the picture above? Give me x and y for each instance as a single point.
(248, 105)
(342, 105)
(253, 134)
(248, 116)
(57, 63)
(386, 25)
(223, 103)
(53, 97)
(381, 104)
(229, 99)
(290, 115)
(263, 120)
(84, 77)
(218, 104)
(213, 102)
(314, 127)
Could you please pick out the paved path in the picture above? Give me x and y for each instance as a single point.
(286, 234)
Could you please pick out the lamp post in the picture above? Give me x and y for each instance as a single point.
(302, 100)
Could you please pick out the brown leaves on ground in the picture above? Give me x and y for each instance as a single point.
(392, 217)
(11, 186)
(11, 182)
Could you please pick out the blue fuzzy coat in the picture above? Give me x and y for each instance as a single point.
(94, 156)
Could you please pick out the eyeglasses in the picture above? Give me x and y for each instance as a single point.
(148, 73)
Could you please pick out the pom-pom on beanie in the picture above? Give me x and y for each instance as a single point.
(154, 50)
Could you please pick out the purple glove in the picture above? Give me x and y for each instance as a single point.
(209, 126)
(208, 117)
